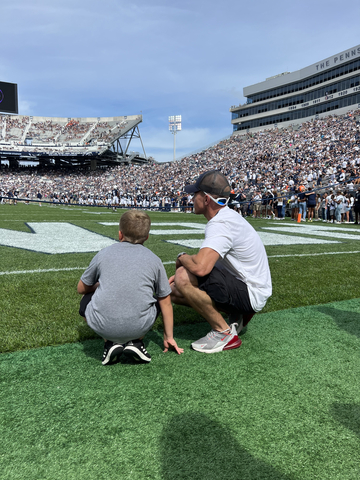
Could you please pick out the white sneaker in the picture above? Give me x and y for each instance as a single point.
(215, 341)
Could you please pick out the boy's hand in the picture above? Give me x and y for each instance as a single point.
(170, 344)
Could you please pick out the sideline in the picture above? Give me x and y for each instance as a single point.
(47, 270)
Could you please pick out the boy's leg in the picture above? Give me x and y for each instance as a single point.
(135, 349)
(112, 351)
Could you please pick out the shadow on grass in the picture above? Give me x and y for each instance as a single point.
(348, 415)
(195, 447)
(348, 321)
(93, 347)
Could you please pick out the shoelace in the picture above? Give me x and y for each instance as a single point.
(214, 332)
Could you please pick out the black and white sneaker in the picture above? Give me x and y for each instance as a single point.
(136, 350)
(112, 352)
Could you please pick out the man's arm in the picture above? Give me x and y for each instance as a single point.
(84, 289)
(200, 264)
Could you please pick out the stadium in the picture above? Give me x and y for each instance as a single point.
(331, 85)
(86, 142)
(292, 409)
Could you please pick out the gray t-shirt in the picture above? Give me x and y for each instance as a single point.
(123, 306)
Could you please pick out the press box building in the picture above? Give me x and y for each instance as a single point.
(331, 86)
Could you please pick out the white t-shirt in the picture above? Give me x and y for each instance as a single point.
(242, 253)
(339, 200)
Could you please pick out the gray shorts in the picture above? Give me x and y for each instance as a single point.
(86, 299)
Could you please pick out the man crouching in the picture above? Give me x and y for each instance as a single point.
(229, 274)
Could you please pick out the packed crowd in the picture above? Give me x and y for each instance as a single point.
(57, 136)
(44, 132)
(264, 168)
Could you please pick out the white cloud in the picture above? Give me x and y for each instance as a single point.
(115, 57)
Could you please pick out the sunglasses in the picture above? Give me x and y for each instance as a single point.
(220, 201)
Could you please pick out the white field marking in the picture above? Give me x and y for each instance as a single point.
(197, 226)
(175, 232)
(55, 237)
(187, 243)
(200, 226)
(318, 231)
(279, 239)
(267, 239)
(93, 213)
(311, 254)
(316, 225)
(42, 270)
(47, 270)
(25, 272)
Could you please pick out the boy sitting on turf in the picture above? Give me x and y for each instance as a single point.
(118, 289)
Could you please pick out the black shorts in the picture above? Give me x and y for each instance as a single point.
(229, 294)
(84, 302)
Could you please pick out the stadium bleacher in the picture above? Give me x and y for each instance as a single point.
(323, 153)
(37, 138)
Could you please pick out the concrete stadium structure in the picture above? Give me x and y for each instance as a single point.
(93, 142)
(328, 87)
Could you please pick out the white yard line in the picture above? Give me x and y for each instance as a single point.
(25, 272)
(311, 254)
(40, 270)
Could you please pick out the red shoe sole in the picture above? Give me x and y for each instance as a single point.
(234, 343)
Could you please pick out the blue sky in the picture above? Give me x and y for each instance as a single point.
(192, 58)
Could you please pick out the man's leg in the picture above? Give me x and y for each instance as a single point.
(185, 291)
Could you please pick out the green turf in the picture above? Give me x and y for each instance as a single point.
(285, 405)
(40, 309)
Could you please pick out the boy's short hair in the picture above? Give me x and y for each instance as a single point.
(135, 226)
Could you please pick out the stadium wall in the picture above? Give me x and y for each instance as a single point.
(328, 87)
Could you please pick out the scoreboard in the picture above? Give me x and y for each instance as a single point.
(8, 97)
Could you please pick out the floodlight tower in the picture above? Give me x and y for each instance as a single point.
(174, 127)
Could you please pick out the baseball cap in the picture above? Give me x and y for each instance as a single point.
(212, 182)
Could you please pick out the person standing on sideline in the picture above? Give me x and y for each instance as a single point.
(357, 206)
(338, 207)
(302, 204)
(311, 203)
(324, 206)
(229, 274)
